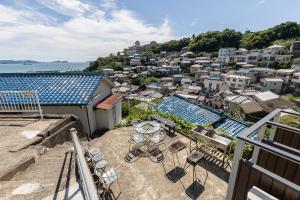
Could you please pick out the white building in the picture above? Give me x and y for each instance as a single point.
(248, 73)
(253, 56)
(285, 74)
(240, 55)
(132, 50)
(236, 81)
(295, 83)
(274, 49)
(195, 68)
(212, 84)
(272, 84)
(226, 55)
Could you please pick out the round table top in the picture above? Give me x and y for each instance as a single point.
(147, 127)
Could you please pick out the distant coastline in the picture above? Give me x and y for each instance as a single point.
(28, 61)
(14, 66)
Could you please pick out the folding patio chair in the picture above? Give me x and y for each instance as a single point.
(107, 178)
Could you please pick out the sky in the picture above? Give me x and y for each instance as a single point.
(82, 30)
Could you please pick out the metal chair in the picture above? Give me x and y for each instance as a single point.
(158, 140)
(134, 140)
(135, 122)
(107, 178)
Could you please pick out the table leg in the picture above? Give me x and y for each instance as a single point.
(178, 159)
(174, 162)
(193, 178)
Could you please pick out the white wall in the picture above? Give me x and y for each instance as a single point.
(75, 110)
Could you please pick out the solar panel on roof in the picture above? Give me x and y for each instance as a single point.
(201, 115)
(54, 88)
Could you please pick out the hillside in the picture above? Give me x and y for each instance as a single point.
(211, 41)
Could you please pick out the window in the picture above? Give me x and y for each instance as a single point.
(274, 84)
(240, 80)
(234, 80)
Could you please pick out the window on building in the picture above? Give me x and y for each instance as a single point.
(234, 80)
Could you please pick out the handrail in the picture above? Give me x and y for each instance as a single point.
(88, 185)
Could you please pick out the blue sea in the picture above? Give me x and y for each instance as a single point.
(44, 66)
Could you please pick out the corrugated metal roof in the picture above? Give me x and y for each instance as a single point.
(109, 102)
(74, 88)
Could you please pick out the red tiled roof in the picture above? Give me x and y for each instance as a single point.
(109, 102)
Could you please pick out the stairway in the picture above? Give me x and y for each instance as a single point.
(51, 173)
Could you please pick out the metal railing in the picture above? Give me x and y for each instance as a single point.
(272, 120)
(86, 179)
(20, 102)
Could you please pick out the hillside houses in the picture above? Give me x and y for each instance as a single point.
(230, 80)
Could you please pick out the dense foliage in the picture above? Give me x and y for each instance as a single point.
(212, 41)
(173, 45)
(112, 61)
(140, 81)
(277, 35)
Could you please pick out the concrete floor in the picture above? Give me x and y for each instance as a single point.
(145, 179)
(12, 136)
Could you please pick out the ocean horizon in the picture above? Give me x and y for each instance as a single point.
(43, 66)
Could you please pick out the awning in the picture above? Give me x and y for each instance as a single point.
(109, 102)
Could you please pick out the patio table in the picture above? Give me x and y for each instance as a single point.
(148, 129)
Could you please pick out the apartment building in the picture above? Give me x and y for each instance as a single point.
(226, 55)
(236, 81)
(240, 55)
(272, 84)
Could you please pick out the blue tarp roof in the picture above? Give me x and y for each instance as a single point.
(201, 114)
(54, 88)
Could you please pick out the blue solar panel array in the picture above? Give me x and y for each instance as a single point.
(182, 108)
(54, 88)
(231, 126)
(201, 115)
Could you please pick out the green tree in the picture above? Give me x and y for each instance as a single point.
(137, 81)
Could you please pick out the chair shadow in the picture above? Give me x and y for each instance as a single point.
(215, 167)
(175, 174)
(195, 190)
(132, 156)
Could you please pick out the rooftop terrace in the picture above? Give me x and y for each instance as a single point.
(144, 179)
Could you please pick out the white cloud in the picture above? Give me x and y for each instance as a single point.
(67, 7)
(84, 36)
